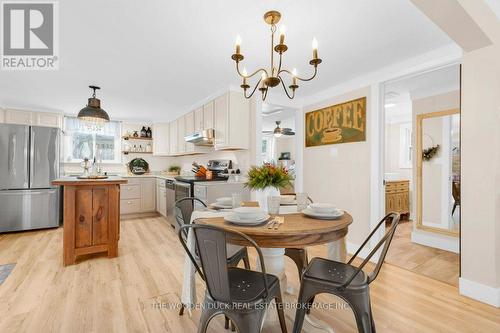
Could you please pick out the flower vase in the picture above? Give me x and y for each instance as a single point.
(263, 194)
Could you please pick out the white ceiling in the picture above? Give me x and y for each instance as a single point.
(155, 59)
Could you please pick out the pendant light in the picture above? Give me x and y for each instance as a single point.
(93, 113)
(277, 131)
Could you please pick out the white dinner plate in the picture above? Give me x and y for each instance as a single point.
(322, 216)
(217, 205)
(233, 218)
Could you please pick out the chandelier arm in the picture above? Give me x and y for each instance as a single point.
(298, 77)
(253, 91)
(264, 95)
(286, 91)
(279, 65)
(251, 75)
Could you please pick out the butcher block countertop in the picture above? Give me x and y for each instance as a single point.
(73, 181)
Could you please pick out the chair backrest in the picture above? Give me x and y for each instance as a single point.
(184, 208)
(385, 241)
(211, 247)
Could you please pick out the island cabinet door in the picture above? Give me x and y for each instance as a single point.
(83, 217)
(100, 208)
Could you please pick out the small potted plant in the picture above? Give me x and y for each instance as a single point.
(174, 170)
(267, 180)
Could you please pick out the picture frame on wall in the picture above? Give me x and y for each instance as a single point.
(340, 123)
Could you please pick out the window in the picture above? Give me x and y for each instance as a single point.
(81, 141)
(405, 146)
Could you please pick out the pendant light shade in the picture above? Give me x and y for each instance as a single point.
(93, 112)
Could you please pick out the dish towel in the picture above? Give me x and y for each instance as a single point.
(188, 295)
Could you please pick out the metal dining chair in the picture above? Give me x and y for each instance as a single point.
(346, 281)
(184, 208)
(241, 295)
(298, 255)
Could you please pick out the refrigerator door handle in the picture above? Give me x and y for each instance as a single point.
(32, 156)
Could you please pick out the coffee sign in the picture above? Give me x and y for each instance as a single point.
(339, 123)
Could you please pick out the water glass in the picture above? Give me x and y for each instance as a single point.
(273, 205)
(236, 200)
(302, 201)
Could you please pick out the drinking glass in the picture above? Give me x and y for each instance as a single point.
(273, 204)
(302, 201)
(236, 200)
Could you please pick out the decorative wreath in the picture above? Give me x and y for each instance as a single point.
(429, 153)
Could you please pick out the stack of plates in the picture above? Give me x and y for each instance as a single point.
(323, 211)
(223, 203)
(247, 216)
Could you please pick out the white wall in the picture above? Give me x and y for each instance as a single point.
(340, 174)
(392, 153)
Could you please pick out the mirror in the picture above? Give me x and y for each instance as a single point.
(438, 172)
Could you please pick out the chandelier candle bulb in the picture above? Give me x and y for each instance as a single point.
(294, 79)
(238, 44)
(315, 48)
(282, 34)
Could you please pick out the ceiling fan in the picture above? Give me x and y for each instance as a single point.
(278, 131)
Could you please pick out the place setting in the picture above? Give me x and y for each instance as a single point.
(248, 216)
(322, 211)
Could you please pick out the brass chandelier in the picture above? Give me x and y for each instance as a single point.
(273, 76)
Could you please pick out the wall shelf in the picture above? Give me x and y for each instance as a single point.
(136, 152)
(136, 138)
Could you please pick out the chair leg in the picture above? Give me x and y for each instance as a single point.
(454, 207)
(206, 315)
(248, 322)
(360, 304)
(281, 313)
(305, 295)
(299, 256)
(226, 322)
(181, 311)
(246, 261)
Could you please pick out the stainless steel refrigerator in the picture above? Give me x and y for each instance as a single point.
(29, 161)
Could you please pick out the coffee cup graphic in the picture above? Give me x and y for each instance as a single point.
(332, 135)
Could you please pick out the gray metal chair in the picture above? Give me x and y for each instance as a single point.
(184, 208)
(346, 281)
(298, 255)
(241, 295)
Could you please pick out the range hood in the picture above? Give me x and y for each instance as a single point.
(202, 138)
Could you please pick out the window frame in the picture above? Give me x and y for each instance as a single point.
(67, 135)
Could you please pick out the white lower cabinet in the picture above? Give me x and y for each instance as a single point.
(138, 196)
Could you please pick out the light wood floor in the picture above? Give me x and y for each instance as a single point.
(119, 295)
(434, 263)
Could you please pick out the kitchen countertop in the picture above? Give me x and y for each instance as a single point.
(76, 181)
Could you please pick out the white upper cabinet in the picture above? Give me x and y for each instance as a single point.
(48, 119)
(198, 120)
(2, 115)
(189, 129)
(208, 115)
(173, 138)
(181, 133)
(161, 139)
(23, 117)
(231, 121)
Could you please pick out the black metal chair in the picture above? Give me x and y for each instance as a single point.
(346, 281)
(298, 255)
(241, 295)
(184, 208)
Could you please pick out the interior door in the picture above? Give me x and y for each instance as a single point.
(44, 156)
(14, 161)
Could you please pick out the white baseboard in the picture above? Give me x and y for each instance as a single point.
(352, 248)
(479, 292)
(443, 242)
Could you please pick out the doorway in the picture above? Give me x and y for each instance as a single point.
(422, 171)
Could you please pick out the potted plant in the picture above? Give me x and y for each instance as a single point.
(267, 180)
(174, 169)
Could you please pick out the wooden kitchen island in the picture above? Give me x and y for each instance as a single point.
(91, 216)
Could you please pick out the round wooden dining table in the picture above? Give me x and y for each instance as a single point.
(297, 231)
